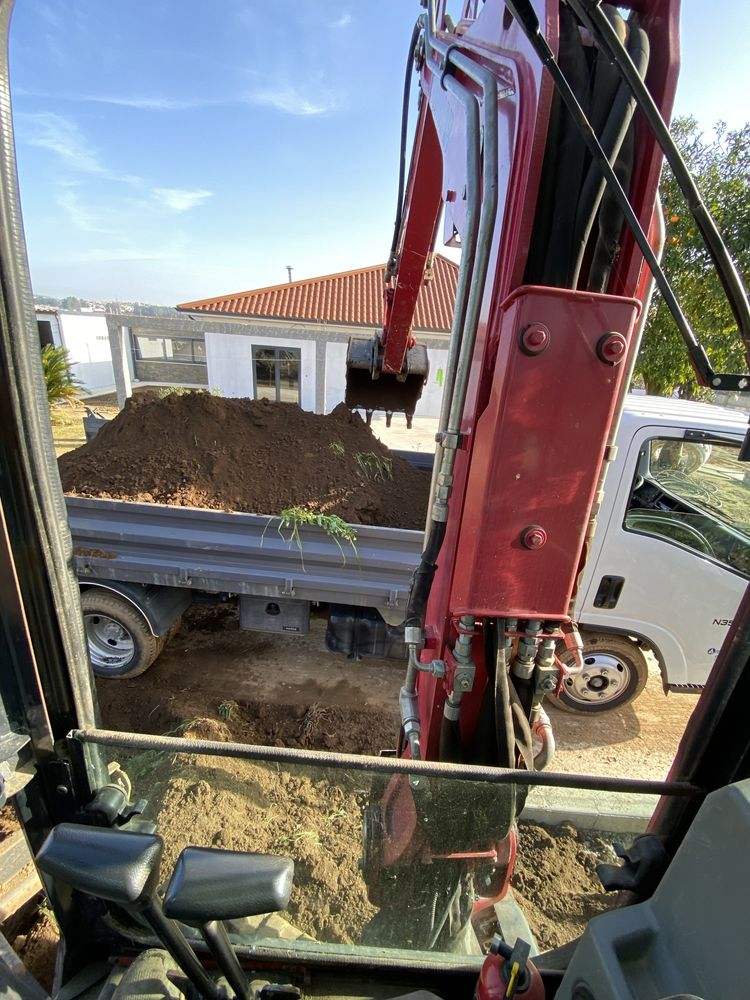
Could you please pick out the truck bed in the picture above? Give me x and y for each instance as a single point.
(228, 552)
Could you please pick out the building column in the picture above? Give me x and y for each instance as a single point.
(119, 344)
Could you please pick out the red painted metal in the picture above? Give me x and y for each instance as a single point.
(537, 451)
(522, 121)
(422, 210)
(546, 376)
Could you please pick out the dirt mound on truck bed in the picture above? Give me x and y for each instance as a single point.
(198, 450)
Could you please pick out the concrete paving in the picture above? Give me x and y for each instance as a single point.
(613, 812)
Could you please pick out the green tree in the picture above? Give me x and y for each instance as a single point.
(720, 164)
(61, 383)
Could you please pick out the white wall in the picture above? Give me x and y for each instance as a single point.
(87, 341)
(335, 374)
(229, 358)
(432, 394)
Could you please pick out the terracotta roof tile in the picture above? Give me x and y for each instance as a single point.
(352, 298)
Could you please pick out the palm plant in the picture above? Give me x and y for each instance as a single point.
(61, 383)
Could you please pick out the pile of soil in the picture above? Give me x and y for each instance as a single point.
(198, 450)
(316, 818)
(242, 806)
(31, 930)
(555, 881)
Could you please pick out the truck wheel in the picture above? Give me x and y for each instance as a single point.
(614, 673)
(120, 642)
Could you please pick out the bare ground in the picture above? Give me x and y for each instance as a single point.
(211, 661)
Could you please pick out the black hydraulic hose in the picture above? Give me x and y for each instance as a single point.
(598, 24)
(506, 744)
(613, 136)
(525, 15)
(566, 161)
(424, 575)
(606, 247)
(451, 746)
(404, 130)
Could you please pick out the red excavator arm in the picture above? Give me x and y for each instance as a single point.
(541, 136)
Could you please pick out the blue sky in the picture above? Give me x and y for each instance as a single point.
(170, 151)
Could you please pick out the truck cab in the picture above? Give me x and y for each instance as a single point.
(673, 534)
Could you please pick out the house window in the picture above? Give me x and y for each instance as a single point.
(277, 374)
(180, 351)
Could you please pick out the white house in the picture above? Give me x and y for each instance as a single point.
(86, 338)
(287, 342)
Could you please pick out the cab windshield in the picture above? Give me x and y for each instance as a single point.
(349, 899)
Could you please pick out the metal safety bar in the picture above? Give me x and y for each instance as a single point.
(380, 765)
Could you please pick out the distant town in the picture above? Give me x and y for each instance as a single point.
(72, 303)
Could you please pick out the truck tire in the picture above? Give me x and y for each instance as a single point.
(614, 674)
(121, 645)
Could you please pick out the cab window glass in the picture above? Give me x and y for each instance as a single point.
(696, 495)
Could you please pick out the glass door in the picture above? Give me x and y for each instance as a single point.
(277, 374)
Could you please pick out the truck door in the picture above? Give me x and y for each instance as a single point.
(675, 558)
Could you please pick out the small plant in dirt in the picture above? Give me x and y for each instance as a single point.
(294, 518)
(337, 448)
(374, 467)
(61, 384)
(183, 390)
(227, 710)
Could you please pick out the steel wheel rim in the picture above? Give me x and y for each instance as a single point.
(603, 679)
(111, 646)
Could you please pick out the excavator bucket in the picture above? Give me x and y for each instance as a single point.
(370, 389)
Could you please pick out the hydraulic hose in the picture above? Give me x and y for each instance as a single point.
(522, 729)
(525, 15)
(543, 729)
(506, 743)
(599, 25)
(435, 532)
(402, 157)
(613, 136)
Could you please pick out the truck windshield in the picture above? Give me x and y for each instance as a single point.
(696, 495)
(708, 476)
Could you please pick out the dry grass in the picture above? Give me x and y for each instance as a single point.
(313, 721)
(67, 425)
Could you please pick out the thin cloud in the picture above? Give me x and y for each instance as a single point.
(181, 199)
(292, 101)
(63, 137)
(113, 254)
(155, 103)
(80, 216)
(342, 22)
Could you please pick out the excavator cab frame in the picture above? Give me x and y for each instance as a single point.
(471, 634)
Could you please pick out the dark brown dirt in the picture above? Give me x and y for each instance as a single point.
(555, 880)
(8, 821)
(37, 948)
(237, 805)
(198, 450)
(315, 818)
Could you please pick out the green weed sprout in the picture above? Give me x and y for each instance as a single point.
(374, 466)
(335, 527)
